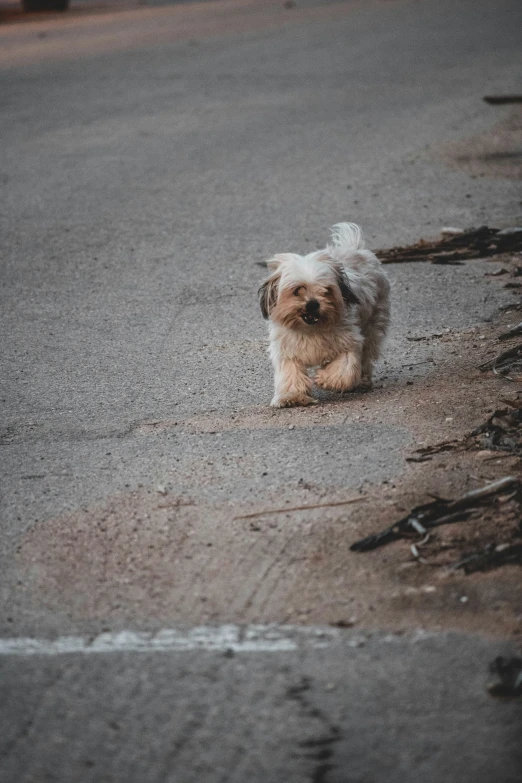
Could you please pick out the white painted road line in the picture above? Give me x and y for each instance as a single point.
(250, 638)
(238, 638)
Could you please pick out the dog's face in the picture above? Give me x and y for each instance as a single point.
(305, 292)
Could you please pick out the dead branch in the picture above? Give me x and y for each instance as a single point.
(511, 333)
(438, 512)
(490, 557)
(480, 242)
(502, 431)
(505, 362)
(437, 448)
(496, 99)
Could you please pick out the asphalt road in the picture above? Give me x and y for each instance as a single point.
(150, 160)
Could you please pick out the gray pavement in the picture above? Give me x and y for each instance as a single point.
(377, 709)
(140, 188)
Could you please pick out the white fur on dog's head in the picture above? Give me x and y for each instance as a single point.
(305, 292)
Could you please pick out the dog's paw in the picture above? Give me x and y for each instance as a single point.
(333, 382)
(321, 380)
(365, 385)
(290, 400)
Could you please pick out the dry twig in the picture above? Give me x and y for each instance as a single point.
(264, 512)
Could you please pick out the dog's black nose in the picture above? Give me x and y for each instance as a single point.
(312, 306)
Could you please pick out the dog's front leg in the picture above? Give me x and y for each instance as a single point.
(342, 374)
(292, 384)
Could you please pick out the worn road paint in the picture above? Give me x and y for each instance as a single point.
(252, 638)
(238, 638)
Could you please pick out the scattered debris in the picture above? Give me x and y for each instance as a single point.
(514, 271)
(473, 243)
(506, 363)
(427, 452)
(502, 99)
(491, 556)
(345, 623)
(176, 504)
(434, 336)
(439, 512)
(450, 231)
(298, 508)
(417, 555)
(514, 403)
(506, 679)
(446, 260)
(502, 431)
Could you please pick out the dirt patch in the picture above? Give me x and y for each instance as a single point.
(164, 559)
(153, 557)
(495, 153)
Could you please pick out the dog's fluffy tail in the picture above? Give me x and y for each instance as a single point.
(346, 237)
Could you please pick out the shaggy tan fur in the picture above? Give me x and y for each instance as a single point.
(328, 311)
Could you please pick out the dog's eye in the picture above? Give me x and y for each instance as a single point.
(296, 290)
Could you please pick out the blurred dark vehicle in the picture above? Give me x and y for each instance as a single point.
(45, 5)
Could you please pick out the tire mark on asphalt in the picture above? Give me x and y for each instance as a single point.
(318, 748)
(39, 709)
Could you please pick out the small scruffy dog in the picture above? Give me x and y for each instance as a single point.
(328, 310)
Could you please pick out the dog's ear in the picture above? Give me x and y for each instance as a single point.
(269, 290)
(275, 262)
(268, 295)
(344, 286)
